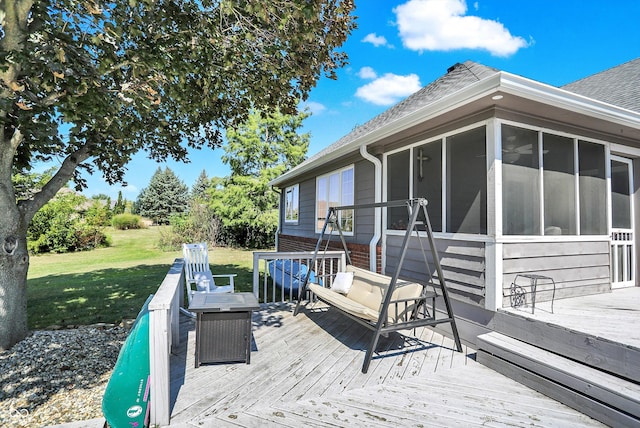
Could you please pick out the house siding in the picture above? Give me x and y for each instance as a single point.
(301, 236)
(462, 262)
(577, 268)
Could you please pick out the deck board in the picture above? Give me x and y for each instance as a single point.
(306, 371)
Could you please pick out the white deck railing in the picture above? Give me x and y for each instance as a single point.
(164, 335)
(264, 284)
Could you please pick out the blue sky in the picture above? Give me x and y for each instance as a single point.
(401, 46)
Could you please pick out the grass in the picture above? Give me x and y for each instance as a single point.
(111, 284)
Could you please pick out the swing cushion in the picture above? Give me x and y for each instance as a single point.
(366, 295)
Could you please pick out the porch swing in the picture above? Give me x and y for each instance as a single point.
(382, 303)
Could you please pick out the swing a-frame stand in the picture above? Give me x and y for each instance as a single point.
(385, 303)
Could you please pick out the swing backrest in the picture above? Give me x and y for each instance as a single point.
(369, 288)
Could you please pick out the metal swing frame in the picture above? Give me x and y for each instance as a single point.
(421, 315)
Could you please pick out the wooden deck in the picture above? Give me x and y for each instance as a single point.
(613, 316)
(305, 371)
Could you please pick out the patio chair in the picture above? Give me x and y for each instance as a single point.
(198, 276)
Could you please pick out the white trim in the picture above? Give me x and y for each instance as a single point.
(541, 192)
(509, 239)
(286, 189)
(494, 179)
(615, 244)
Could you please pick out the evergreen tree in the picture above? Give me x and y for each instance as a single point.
(118, 208)
(166, 195)
(200, 187)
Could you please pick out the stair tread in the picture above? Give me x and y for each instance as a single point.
(590, 381)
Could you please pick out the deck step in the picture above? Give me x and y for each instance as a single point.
(610, 399)
(601, 353)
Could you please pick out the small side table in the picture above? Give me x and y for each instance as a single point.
(223, 326)
(518, 294)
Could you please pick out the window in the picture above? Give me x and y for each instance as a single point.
(418, 172)
(291, 204)
(520, 181)
(427, 180)
(467, 182)
(573, 191)
(398, 188)
(332, 190)
(592, 189)
(559, 185)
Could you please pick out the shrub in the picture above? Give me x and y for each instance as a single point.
(126, 221)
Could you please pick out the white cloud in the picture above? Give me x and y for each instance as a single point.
(367, 73)
(389, 89)
(441, 25)
(375, 40)
(314, 107)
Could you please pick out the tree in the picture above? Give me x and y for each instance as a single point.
(120, 205)
(266, 142)
(259, 150)
(200, 187)
(91, 83)
(165, 196)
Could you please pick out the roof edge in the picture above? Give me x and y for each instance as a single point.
(502, 81)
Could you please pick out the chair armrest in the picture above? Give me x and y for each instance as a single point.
(225, 275)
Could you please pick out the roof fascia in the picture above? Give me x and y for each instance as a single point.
(501, 81)
(566, 100)
(466, 95)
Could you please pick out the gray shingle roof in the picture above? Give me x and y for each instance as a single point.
(619, 86)
(458, 76)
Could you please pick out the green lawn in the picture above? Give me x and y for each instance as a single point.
(111, 284)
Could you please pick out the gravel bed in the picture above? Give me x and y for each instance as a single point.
(57, 376)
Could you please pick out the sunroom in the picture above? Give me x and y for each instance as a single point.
(522, 178)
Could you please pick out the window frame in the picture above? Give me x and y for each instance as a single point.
(295, 191)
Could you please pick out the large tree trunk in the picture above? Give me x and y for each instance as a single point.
(14, 263)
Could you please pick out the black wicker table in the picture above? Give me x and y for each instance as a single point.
(223, 326)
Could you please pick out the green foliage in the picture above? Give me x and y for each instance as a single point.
(266, 144)
(126, 221)
(261, 149)
(59, 227)
(120, 205)
(247, 209)
(98, 214)
(28, 184)
(165, 196)
(200, 187)
(199, 225)
(88, 84)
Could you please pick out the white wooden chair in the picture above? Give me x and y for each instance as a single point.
(198, 276)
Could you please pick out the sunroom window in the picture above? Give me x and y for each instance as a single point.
(418, 172)
(332, 190)
(546, 190)
(467, 182)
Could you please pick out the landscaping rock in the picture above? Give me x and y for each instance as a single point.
(57, 376)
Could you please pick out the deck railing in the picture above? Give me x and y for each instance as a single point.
(282, 287)
(164, 335)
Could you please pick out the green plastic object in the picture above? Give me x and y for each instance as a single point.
(125, 403)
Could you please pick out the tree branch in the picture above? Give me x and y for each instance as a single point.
(57, 182)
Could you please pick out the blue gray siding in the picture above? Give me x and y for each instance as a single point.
(462, 262)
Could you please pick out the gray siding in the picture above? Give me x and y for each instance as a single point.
(462, 262)
(577, 268)
(364, 191)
